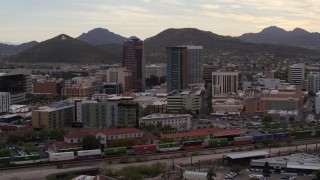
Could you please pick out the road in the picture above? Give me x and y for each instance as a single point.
(41, 173)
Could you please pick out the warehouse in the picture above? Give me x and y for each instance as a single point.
(243, 158)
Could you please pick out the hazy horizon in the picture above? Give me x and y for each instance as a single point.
(24, 21)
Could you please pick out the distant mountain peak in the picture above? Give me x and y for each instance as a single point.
(99, 36)
(274, 35)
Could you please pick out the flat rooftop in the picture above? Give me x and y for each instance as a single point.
(246, 154)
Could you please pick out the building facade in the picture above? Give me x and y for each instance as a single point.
(18, 83)
(207, 70)
(47, 87)
(296, 74)
(184, 67)
(178, 122)
(4, 102)
(317, 103)
(224, 82)
(158, 70)
(133, 60)
(313, 82)
(53, 117)
(188, 101)
(117, 75)
(77, 91)
(111, 88)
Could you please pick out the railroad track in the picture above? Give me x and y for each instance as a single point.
(156, 156)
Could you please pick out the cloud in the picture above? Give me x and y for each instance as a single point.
(209, 6)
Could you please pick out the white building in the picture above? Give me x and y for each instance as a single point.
(313, 82)
(264, 83)
(179, 122)
(317, 103)
(4, 102)
(156, 69)
(224, 82)
(296, 74)
(116, 75)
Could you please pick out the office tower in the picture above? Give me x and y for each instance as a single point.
(224, 82)
(4, 102)
(296, 74)
(18, 83)
(184, 67)
(133, 60)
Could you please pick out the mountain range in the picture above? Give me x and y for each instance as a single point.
(275, 35)
(101, 45)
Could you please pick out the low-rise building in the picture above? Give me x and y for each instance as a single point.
(48, 87)
(77, 91)
(178, 122)
(177, 102)
(104, 135)
(56, 116)
(14, 130)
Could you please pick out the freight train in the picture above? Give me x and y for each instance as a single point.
(153, 148)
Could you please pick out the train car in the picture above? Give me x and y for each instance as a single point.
(303, 134)
(317, 132)
(115, 151)
(260, 137)
(144, 149)
(28, 159)
(282, 135)
(61, 156)
(218, 142)
(174, 146)
(89, 153)
(242, 140)
(190, 145)
(5, 161)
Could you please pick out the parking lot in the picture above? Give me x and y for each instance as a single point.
(244, 175)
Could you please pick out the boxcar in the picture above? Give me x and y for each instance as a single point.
(5, 161)
(144, 149)
(189, 145)
(115, 151)
(174, 146)
(282, 135)
(260, 137)
(243, 140)
(303, 134)
(61, 156)
(218, 142)
(26, 159)
(89, 153)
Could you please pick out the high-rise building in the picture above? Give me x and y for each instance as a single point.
(207, 70)
(184, 67)
(18, 83)
(133, 60)
(296, 74)
(313, 82)
(4, 102)
(224, 82)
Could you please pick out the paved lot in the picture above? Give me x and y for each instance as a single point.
(244, 175)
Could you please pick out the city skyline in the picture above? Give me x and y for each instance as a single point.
(24, 21)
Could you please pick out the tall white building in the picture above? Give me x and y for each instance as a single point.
(296, 74)
(224, 82)
(313, 82)
(4, 102)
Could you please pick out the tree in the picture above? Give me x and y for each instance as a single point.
(211, 173)
(236, 168)
(289, 141)
(152, 81)
(4, 152)
(317, 173)
(266, 168)
(90, 142)
(163, 79)
(266, 142)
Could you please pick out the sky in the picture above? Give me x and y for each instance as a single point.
(27, 20)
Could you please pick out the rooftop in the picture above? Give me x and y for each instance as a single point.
(217, 132)
(156, 116)
(111, 131)
(246, 154)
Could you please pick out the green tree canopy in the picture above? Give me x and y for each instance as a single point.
(90, 142)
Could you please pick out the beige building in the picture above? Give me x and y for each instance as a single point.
(296, 74)
(77, 91)
(156, 69)
(224, 82)
(178, 122)
(117, 75)
(53, 117)
(184, 101)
